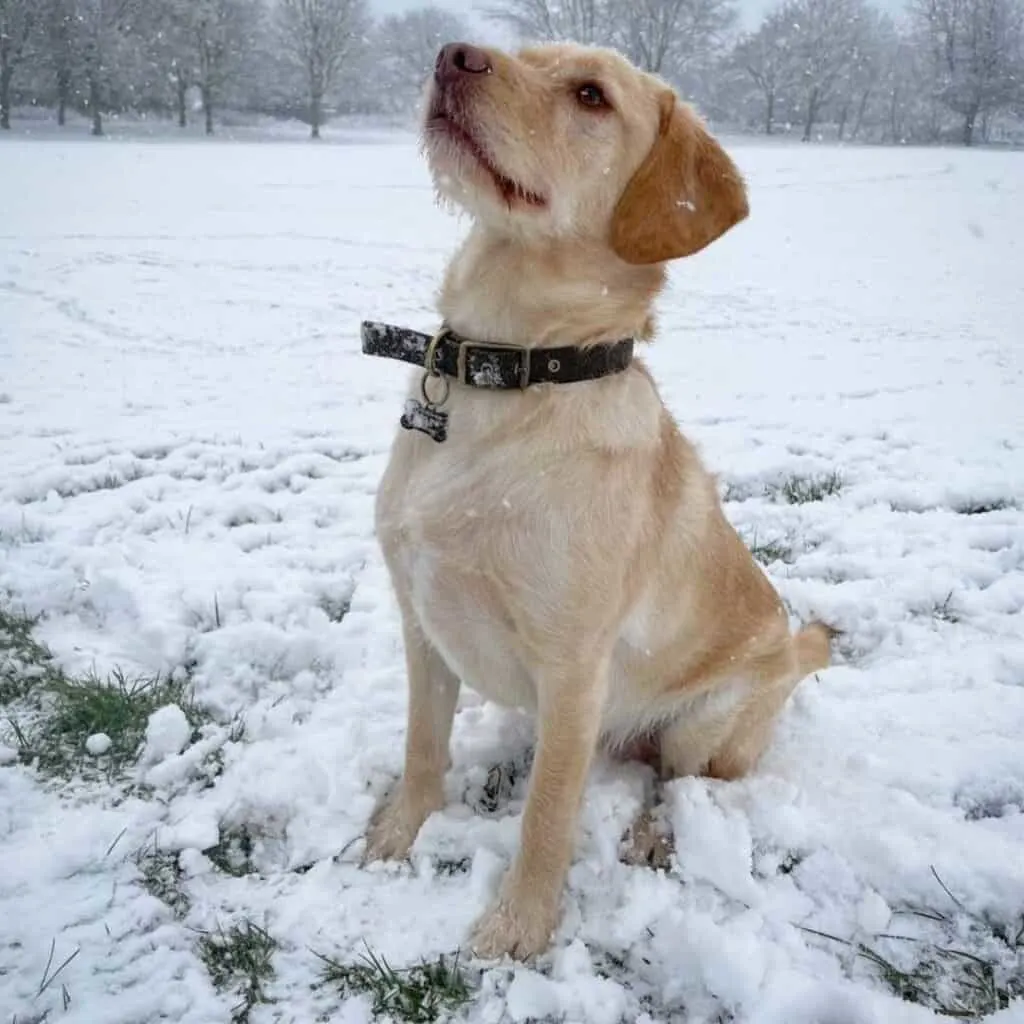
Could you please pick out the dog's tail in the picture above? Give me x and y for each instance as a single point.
(814, 647)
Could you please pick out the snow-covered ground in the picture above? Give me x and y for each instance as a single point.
(190, 442)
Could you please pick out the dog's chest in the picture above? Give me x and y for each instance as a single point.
(446, 526)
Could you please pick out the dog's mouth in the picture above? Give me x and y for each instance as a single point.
(441, 124)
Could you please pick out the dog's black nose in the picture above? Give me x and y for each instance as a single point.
(458, 59)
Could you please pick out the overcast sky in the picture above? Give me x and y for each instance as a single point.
(750, 10)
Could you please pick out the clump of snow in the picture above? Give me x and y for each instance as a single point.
(531, 996)
(8, 755)
(196, 830)
(167, 733)
(98, 744)
(873, 913)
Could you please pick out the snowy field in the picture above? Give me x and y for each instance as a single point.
(190, 442)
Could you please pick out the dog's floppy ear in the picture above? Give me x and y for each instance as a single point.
(685, 194)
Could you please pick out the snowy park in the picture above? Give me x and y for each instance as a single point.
(202, 686)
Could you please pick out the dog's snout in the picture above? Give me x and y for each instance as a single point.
(458, 59)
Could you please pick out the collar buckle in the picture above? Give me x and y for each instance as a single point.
(462, 360)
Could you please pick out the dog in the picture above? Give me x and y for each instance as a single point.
(556, 543)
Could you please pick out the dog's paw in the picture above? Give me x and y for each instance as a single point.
(648, 843)
(519, 928)
(393, 829)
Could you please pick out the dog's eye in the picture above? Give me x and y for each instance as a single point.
(591, 95)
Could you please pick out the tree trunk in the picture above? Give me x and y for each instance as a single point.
(63, 94)
(207, 94)
(812, 115)
(94, 102)
(6, 74)
(769, 117)
(315, 114)
(181, 89)
(860, 113)
(842, 121)
(969, 119)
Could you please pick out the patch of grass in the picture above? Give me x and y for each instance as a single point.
(25, 664)
(240, 960)
(161, 876)
(335, 607)
(340, 454)
(801, 490)
(49, 977)
(733, 491)
(51, 714)
(771, 551)
(233, 854)
(944, 612)
(250, 517)
(118, 706)
(999, 801)
(501, 780)
(965, 984)
(951, 982)
(790, 862)
(500, 785)
(771, 861)
(416, 995)
(980, 508)
(23, 534)
(450, 866)
(213, 764)
(111, 480)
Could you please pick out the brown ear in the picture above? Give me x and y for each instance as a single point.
(685, 194)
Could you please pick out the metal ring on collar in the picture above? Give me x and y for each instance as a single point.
(444, 395)
(430, 356)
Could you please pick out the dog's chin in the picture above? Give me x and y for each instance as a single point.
(466, 174)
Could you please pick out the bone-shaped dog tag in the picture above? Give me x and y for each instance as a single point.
(428, 419)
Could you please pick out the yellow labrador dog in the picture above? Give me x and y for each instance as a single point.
(553, 540)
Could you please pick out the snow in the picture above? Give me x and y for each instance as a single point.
(190, 443)
(98, 744)
(167, 733)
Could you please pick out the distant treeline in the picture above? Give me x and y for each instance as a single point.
(945, 70)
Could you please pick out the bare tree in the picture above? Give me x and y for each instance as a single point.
(61, 38)
(222, 32)
(769, 59)
(859, 82)
(168, 40)
(666, 36)
(908, 110)
(318, 35)
(17, 22)
(102, 26)
(975, 50)
(828, 37)
(407, 45)
(583, 21)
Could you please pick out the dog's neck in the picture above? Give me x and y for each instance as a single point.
(546, 292)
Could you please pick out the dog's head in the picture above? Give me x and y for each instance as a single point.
(571, 140)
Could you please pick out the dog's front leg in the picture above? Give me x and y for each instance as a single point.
(433, 692)
(522, 919)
